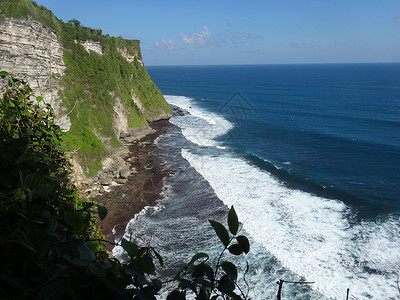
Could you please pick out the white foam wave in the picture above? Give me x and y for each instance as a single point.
(118, 252)
(309, 235)
(200, 127)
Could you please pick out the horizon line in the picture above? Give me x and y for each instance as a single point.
(268, 64)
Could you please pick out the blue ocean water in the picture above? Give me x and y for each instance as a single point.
(330, 129)
(309, 155)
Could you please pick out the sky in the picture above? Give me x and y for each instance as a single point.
(210, 32)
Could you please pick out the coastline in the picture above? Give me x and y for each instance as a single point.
(142, 188)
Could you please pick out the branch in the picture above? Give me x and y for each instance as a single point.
(67, 114)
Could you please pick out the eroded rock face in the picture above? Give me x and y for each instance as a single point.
(30, 51)
(151, 116)
(93, 46)
(129, 57)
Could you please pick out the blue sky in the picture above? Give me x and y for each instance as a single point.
(185, 32)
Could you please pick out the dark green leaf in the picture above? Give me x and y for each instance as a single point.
(235, 249)
(204, 283)
(84, 251)
(221, 232)
(198, 256)
(233, 222)
(203, 269)
(226, 285)
(186, 284)
(144, 265)
(160, 259)
(73, 219)
(244, 243)
(130, 248)
(42, 190)
(142, 251)
(176, 295)
(230, 270)
(31, 180)
(234, 296)
(155, 286)
(204, 293)
(102, 210)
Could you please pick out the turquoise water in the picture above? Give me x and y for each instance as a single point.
(309, 156)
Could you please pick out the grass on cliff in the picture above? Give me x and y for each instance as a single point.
(24, 9)
(92, 82)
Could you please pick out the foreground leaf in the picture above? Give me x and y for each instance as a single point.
(130, 248)
(102, 210)
(221, 232)
(235, 249)
(230, 270)
(233, 222)
(226, 285)
(198, 256)
(244, 243)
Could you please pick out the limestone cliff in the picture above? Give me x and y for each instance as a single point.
(97, 84)
(30, 51)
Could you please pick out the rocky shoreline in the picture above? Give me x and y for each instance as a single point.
(132, 181)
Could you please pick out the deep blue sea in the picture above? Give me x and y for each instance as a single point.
(309, 155)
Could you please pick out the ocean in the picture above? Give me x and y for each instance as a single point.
(309, 155)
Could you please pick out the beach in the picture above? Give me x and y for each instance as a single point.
(142, 189)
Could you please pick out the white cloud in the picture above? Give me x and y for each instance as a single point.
(197, 38)
(167, 44)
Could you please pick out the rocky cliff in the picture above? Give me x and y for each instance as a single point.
(97, 84)
(31, 51)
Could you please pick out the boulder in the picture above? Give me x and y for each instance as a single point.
(124, 173)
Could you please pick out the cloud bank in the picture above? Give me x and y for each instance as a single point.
(198, 38)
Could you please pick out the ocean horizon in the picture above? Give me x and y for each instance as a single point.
(309, 155)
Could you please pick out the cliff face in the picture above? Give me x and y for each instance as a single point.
(30, 51)
(99, 88)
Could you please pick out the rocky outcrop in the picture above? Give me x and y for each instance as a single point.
(30, 51)
(151, 115)
(93, 46)
(129, 57)
(116, 171)
(121, 127)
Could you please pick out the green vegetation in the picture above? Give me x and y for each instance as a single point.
(51, 246)
(92, 81)
(23, 9)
